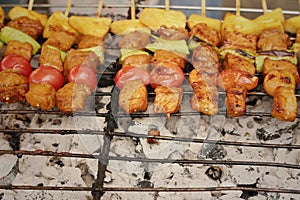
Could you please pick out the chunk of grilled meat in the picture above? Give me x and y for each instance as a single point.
(273, 39)
(88, 41)
(207, 34)
(167, 100)
(133, 97)
(41, 95)
(205, 98)
(72, 97)
(134, 40)
(61, 40)
(139, 60)
(237, 40)
(13, 86)
(21, 48)
(164, 56)
(31, 27)
(173, 33)
(284, 65)
(51, 57)
(276, 78)
(236, 101)
(232, 61)
(210, 79)
(230, 77)
(285, 104)
(206, 59)
(77, 57)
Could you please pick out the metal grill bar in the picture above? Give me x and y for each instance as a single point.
(141, 136)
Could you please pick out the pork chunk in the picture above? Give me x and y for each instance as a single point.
(61, 40)
(207, 34)
(20, 48)
(51, 57)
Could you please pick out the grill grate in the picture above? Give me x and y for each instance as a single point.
(110, 132)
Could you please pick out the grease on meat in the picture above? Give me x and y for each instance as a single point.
(236, 101)
(207, 34)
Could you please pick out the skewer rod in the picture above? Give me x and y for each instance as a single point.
(167, 4)
(132, 9)
(99, 9)
(203, 6)
(30, 4)
(68, 8)
(238, 7)
(264, 5)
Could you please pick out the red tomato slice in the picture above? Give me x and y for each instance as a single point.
(47, 74)
(131, 73)
(16, 62)
(84, 75)
(167, 75)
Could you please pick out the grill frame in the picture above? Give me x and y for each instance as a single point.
(98, 188)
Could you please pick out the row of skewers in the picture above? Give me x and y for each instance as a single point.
(244, 47)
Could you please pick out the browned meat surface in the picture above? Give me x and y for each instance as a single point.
(298, 36)
(173, 33)
(51, 57)
(273, 39)
(210, 79)
(134, 40)
(237, 40)
(167, 100)
(31, 27)
(88, 41)
(21, 48)
(205, 98)
(13, 86)
(285, 104)
(133, 97)
(71, 98)
(207, 34)
(276, 78)
(140, 60)
(236, 101)
(163, 56)
(206, 59)
(284, 65)
(41, 95)
(77, 57)
(232, 61)
(231, 77)
(61, 40)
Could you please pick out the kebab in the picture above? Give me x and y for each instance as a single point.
(80, 64)
(15, 66)
(170, 50)
(48, 78)
(280, 76)
(205, 37)
(134, 76)
(238, 48)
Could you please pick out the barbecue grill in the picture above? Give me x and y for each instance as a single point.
(207, 153)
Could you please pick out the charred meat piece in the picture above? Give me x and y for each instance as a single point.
(173, 33)
(236, 101)
(230, 77)
(72, 97)
(21, 48)
(285, 104)
(88, 41)
(232, 61)
(207, 34)
(51, 57)
(77, 57)
(134, 40)
(206, 59)
(276, 78)
(237, 40)
(161, 56)
(61, 40)
(167, 100)
(13, 86)
(273, 39)
(209, 79)
(41, 95)
(31, 27)
(140, 60)
(133, 97)
(205, 98)
(285, 65)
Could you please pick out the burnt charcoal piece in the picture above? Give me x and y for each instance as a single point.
(145, 184)
(264, 135)
(212, 151)
(247, 194)
(214, 173)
